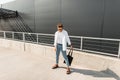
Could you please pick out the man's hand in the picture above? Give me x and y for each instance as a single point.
(54, 48)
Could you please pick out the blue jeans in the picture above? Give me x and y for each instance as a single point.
(58, 49)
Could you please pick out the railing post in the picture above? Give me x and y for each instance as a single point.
(4, 35)
(23, 37)
(81, 43)
(37, 39)
(119, 51)
(12, 35)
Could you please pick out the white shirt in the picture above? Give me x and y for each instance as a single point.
(62, 38)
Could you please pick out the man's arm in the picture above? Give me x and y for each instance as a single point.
(55, 38)
(68, 39)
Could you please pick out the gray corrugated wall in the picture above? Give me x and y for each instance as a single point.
(80, 17)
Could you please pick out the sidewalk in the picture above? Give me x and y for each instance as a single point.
(16, 65)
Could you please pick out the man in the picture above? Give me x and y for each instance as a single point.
(60, 44)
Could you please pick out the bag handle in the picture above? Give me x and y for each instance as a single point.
(70, 52)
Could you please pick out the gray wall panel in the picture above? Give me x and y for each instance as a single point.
(83, 17)
(112, 19)
(47, 13)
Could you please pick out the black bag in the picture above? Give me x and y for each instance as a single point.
(70, 58)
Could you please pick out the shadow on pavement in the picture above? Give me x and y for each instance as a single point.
(105, 73)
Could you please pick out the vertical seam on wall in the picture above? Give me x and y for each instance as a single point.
(60, 11)
(102, 25)
(34, 16)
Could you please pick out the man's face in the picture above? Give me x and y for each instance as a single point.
(59, 29)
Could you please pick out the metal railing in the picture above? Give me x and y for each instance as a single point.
(104, 46)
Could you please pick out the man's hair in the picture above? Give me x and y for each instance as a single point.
(59, 25)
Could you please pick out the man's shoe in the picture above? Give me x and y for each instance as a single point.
(68, 71)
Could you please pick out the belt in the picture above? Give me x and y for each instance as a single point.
(59, 44)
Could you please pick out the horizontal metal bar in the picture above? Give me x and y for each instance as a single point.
(102, 38)
(102, 53)
(105, 50)
(105, 42)
(38, 33)
(91, 45)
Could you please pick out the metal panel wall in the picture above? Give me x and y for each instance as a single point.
(80, 17)
(111, 26)
(83, 17)
(47, 15)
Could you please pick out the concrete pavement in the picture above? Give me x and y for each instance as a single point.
(18, 65)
